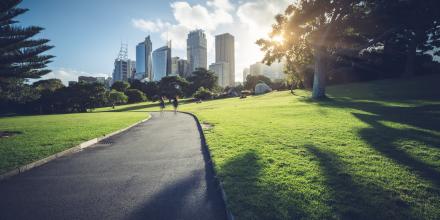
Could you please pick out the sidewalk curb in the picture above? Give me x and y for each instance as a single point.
(69, 151)
(229, 214)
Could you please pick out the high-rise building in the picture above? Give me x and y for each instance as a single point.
(197, 50)
(174, 66)
(144, 63)
(246, 72)
(162, 62)
(221, 70)
(256, 69)
(183, 68)
(225, 53)
(124, 68)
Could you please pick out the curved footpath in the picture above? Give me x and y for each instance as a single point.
(155, 170)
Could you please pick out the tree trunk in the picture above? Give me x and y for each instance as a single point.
(319, 75)
(411, 57)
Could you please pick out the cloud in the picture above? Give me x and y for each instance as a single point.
(66, 75)
(246, 20)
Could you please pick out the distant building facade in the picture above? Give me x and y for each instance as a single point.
(197, 50)
(174, 66)
(273, 72)
(246, 72)
(124, 70)
(161, 62)
(225, 55)
(144, 63)
(183, 69)
(221, 70)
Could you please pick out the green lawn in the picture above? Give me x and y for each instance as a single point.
(370, 152)
(43, 135)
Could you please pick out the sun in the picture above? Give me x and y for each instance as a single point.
(278, 39)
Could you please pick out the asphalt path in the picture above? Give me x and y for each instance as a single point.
(158, 169)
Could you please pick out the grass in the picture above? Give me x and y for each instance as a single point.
(43, 135)
(372, 151)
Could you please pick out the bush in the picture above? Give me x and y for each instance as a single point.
(116, 98)
(203, 94)
(134, 95)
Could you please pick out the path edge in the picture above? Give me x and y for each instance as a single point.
(66, 152)
(229, 214)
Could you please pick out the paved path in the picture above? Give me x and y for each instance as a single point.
(156, 170)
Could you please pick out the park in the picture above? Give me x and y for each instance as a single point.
(362, 144)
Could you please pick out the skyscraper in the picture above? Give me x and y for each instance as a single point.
(225, 53)
(183, 68)
(221, 70)
(197, 50)
(124, 68)
(162, 62)
(143, 60)
(174, 66)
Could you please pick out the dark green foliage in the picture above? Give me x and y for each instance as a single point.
(203, 94)
(135, 95)
(252, 81)
(116, 98)
(201, 78)
(172, 86)
(120, 86)
(20, 56)
(48, 84)
(152, 91)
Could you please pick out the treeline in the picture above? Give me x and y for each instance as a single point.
(51, 96)
(336, 41)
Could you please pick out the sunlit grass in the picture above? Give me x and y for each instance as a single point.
(43, 135)
(370, 152)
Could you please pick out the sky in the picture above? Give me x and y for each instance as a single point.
(87, 35)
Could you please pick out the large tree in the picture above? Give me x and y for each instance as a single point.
(201, 78)
(323, 27)
(21, 56)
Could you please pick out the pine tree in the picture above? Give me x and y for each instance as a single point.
(21, 56)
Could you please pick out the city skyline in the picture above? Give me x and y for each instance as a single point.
(169, 19)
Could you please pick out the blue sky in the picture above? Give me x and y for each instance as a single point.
(87, 34)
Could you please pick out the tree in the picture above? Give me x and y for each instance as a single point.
(120, 86)
(320, 26)
(135, 95)
(252, 81)
(48, 84)
(116, 98)
(172, 86)
(21, 57)
(152, 91)
(202, 78)
(203, 94)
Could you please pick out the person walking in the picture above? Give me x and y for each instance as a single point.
(161, 105)
(175, 104)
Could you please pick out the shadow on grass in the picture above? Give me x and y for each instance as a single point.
(351, 200)
(252, 197)
(383, 138)
(133, 108)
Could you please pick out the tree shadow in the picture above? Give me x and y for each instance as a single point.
(383, 139)
(351, 199)
(133, 108)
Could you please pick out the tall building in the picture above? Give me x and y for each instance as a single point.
(162, 62)
(124, 68)
(174, 66)
(225, 53)
(144, 64)
(246, 72)
(197, 50)
(221, 70)
(256, 69)
(183, 68)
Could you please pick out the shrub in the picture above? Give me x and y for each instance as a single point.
(203, 94)
(116, 98)
(135, 95)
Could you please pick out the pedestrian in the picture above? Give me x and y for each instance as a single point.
(161, 105)
(175, 104)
